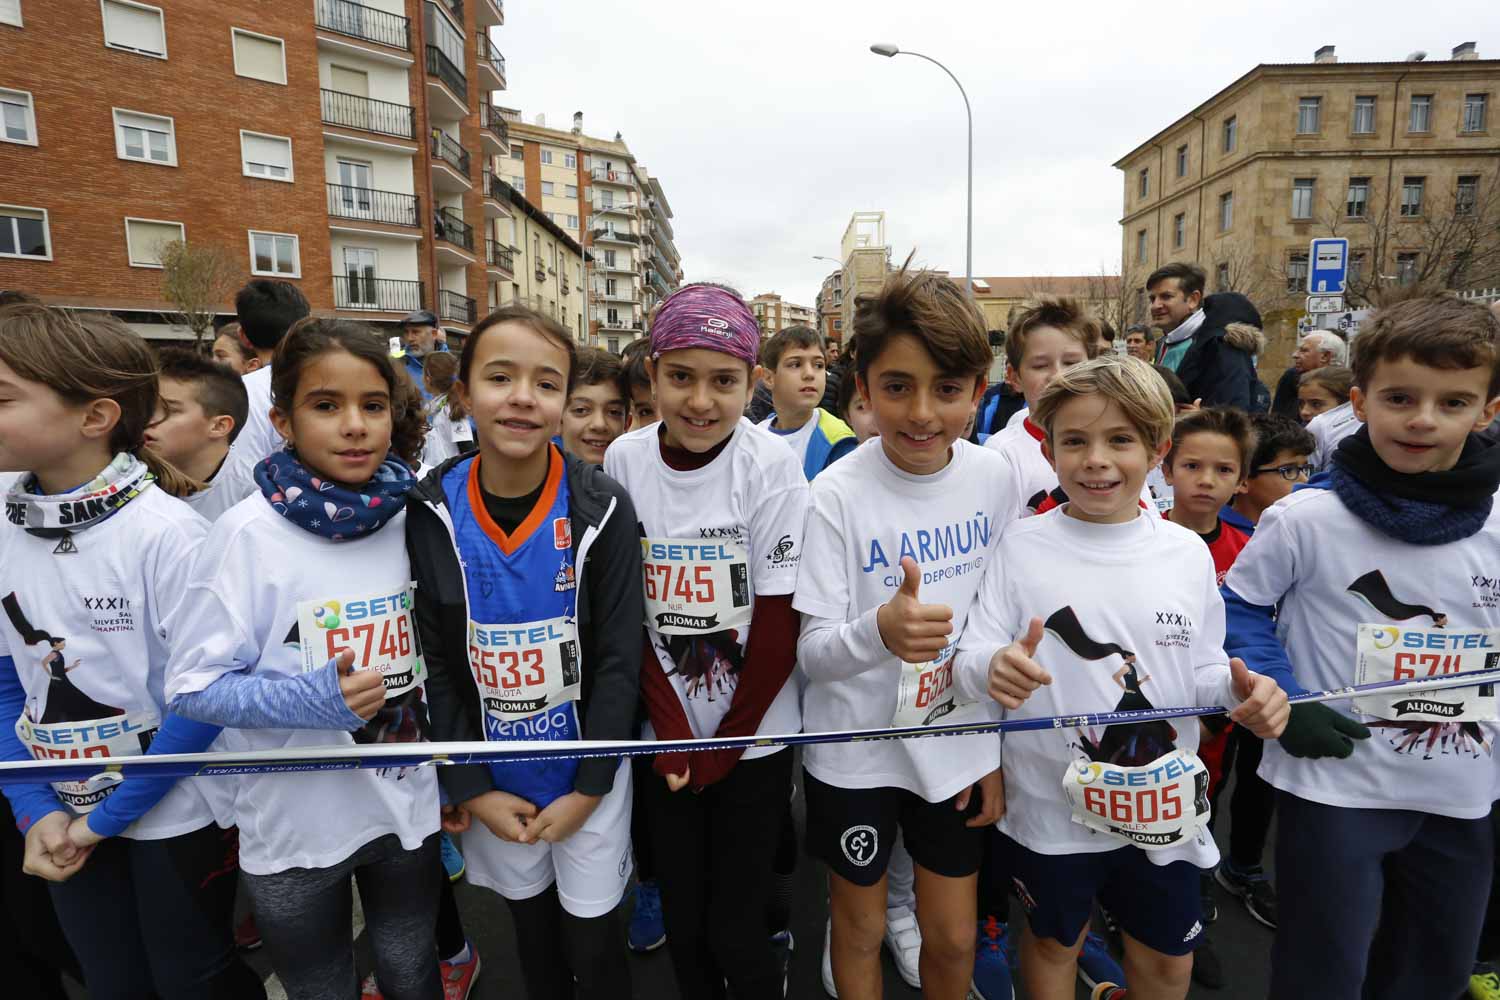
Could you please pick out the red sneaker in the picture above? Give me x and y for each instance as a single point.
(458, 977)
(369, 989)
(1108, 991)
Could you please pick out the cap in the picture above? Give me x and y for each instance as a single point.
(709, 317)
(422, 317)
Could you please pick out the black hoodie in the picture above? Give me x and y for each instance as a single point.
(1218, 371)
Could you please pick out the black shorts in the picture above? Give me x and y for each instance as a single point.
(852, 830)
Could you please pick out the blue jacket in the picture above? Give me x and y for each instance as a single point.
(1229, 515)
(831, 440)
(414, 369)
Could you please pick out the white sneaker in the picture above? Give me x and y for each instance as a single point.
(828, 961)
(904, 940)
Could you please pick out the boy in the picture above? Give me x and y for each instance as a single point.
(794, 366)
(635, 384)
(895, 539)
(1278, 462)
(230, 350)
(852, 407)
(266, 310)
(1107, 422)
(1397, 548)
(200, 409)
(597, 409)
(1206, 467)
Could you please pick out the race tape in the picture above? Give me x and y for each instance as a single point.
(383, 755)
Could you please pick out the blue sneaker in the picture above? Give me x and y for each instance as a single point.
(1096, 965)
(453, 862)
(992, 963)
(647, 931)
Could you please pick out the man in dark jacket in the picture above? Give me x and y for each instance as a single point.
(1217, 371)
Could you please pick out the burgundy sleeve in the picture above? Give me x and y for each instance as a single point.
(664, 711)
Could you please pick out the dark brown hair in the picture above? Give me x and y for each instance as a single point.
(1231, 423)
(1438, 331)
(233, 331)
(1335, 378)
(930, 307)
(440, 369)
(533, 320)
(219, 391)
(633, 374)
(1190, 277)
(785, 340)
(1060, 313)
(596, 366)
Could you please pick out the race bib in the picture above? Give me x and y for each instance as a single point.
(118, 736)
(1393, 653)
(378, 628)
(925, 693)
(1156, 806)
(696, 586)
(524, 669)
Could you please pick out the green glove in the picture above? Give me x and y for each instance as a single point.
(1315, 730)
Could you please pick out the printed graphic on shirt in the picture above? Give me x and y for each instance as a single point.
(697, 587)
(940, 543)
(64, 702)
(377, 627)
(526, 668)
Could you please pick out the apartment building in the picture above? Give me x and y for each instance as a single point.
(551, 266)
(334, 144)
(867, 261)
(828, 307)
(998, 297)
(774, 314)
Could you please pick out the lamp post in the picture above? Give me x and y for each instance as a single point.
(889, 51)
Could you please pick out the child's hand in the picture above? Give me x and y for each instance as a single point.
(505, 814)
(1013, 672)
(49, 852)
(913, 631)
(455, 819)
(363, 690)
(677, 783)
(80, 835)
(562, 818)
(991, 799)
(1264, 710)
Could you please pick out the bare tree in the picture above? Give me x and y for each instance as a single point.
(1111, 292)
(197, 279)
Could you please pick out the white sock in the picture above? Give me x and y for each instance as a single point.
(461, 957)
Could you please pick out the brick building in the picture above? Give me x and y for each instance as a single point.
(775, 314)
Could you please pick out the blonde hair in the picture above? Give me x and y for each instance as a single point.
(1130, 382)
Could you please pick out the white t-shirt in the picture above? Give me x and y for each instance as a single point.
(1328, 429)
(1148, 586)
(258, 438)
(1307, 552)
(443, 434)
(232, 483)
(240, 613)
(1019, 442)
(753, 494)
(116, 597)
(797, 439)
(1014, 420)
(866, 515)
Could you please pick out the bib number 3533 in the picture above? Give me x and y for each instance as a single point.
(1392, 653)
(524, 669)
(1155, 806)
(696, 586)
(378, 628)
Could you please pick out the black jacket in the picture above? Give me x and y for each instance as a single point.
(610, 610)
(1220, 372)
(1286, 403)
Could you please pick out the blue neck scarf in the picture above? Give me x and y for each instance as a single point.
(1429, 508)
(327, 509)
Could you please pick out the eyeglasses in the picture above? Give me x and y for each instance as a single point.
(1291, 473)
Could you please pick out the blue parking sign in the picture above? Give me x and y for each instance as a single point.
(1328, 264)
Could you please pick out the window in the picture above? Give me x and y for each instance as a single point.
(1406, 267)
(1364, 116)
(1356, 271)
(609, 258)
(609, 287)
(1182, 161)
(1421, 113)
(546, 156)
(274, 254)
(134, 27)
(517, 151)
(1474, 106)
(1296, 272)
(1358, 201)
(572, 222)
(1179, 229)
(1221, 278)
(546, 187)
(1231, 134)
(1309, 115)
(1143, 186)
(570, 159)
(17, 117)
(10, 12)
(1411, 195)
(268, 156)
(606, 199)
(571, 190)
(145, 137)
(1226, 211)
(259, 57)
(519, 184)
(1466, 195)
(1302, 197)
(144, 239)
(24, 233)
(614, 345)
(1140, 245)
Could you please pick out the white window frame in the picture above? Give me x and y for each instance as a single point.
(1231, 134)
(291, 168)
(1411, 113)
(296, 254)
(1483, 103)
(518, 151)
(572, 222)
(570, 190)
(30, 139)
(182, 230)
(547, 187)
(235, 55)
(171, 160)
(1362, 101)
(1310, 111)
(46, 232)
(1303, 189)
(546, 156)
(161, 14)
(1226, 211)
(1179, 230)
(4, 8)
(570, 159)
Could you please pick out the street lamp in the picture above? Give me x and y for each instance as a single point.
(888, 50)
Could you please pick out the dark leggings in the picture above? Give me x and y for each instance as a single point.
(556, 948)
(1489, 934)
(716, 849)
(155, 917)
(305, 917)
(994, 877)
(33, 951)
(1253, 801)
(640, 818)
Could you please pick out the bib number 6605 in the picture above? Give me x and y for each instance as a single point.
(1142, 805)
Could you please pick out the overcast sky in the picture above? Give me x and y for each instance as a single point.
(769, 121)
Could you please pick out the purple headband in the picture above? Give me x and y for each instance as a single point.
(709, 317)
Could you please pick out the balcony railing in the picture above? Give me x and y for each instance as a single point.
(657, 281)
(457, 7)
(621, 207)
(366, 114)
(492, 120)
(497, 254)
(348, 202)
(442, 67)
(660, 260)
(488, 53)
(450, 152)
(358, 21)
(612, 236)
(627, 294)
(495, 187)
(455, 307)
(602, 317)
(358, 291)
(450, 226)
(607, 176)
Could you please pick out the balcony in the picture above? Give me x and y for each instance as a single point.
(626, 208)
(603, 175)
(658, 282)
(446, 150)
(615, 322)
(343, 17)
(450, 227)
(628, 293)
(455, 308)
(610, 236)
(391, 207)
(491, 63)
(625, 266)
(494, 130)
(489, 13)
(661, 262)
(496, 196)
(367, 115)
(454, 92)
(499, 257)
(370, 294)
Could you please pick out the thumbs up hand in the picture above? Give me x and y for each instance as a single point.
(363, 690)
(1013, 672)
(913, 631)
(1264, 709)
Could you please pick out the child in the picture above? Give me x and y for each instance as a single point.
(269, 653)
(853, 408)
(635, 384)
(200, 408)
(796, 369)
(1397, 549)
(266, 309)
(1206, 467)
(1328, 426)
(721, 504)
(93, 571)
(1323, 390)
(879, 628)
(1279, 461)
(597, 409)
(230, 349)
(512, 660)
(1063, 642)
(448, 430)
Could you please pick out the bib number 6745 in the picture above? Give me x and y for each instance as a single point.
(670, 581)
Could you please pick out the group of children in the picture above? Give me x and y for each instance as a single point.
(616, 553)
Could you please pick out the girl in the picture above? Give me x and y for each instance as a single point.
(93, 573)
(512, 658)
(297, 632)
(722, 506)
(1323, 389)
(448, 430)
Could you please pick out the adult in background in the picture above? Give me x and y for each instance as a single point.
(422, 336)
(1219, 371)
(1318, 349)
(1138, 342)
